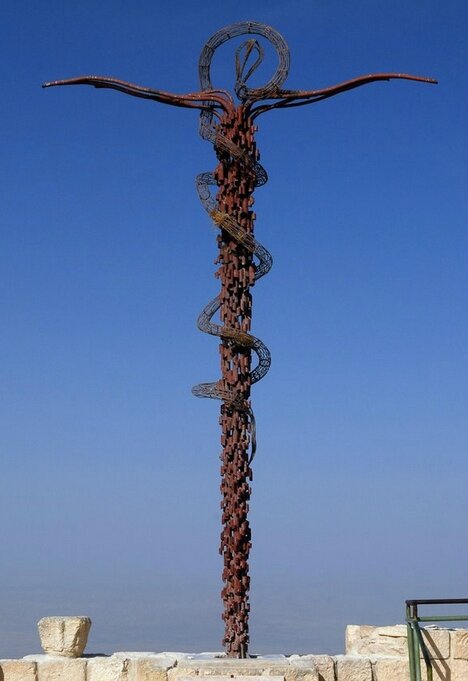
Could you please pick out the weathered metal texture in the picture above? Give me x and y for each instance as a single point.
(236, 179)
(242, 261)
(236, 274)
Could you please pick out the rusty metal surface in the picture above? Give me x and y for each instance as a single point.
(242, 260)
(236, 179)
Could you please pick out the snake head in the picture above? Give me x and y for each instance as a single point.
(249, 56)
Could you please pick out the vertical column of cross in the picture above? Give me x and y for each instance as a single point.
(236, 183)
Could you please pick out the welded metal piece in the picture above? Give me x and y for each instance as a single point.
(242, 261)
(236, 177)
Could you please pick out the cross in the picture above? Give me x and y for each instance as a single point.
(230, 127)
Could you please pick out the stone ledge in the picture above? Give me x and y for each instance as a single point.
(289, 669)
(373, 654)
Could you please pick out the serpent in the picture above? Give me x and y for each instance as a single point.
(224, 221)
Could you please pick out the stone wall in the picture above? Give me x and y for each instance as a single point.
(372, 654)
(387, 650)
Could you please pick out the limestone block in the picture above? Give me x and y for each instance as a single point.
(438, 642)
(459, 644)
(65, 636)
(392, 641)
(397, 669)
(226, 667)
(60, 669)
(441, 671)
(368, 640)
(300, 661)
(308, 672)
(459, 669)
(112, 668)
(177, 655)
(357, 636)
(18, 670)
(229, 668)
(323, 664)
(176, 673)
(391, 669)
(350, 668)
(148, 668)
(164, 660)
(325, 667)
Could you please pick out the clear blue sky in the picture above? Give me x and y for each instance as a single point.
(109, 467)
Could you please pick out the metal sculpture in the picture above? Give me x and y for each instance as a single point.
(242, 261)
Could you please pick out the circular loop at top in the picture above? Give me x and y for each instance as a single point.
(242, 28)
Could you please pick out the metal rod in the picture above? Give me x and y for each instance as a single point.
(444, 618)
(437, 601)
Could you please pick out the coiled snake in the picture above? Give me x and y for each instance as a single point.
(232, 335)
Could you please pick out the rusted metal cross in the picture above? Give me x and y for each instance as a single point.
(230, 127)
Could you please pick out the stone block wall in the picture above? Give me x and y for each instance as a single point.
(387, 650)
(371, 654)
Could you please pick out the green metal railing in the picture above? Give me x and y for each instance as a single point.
(416, 642)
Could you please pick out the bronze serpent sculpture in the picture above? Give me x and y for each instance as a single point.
(242, 261)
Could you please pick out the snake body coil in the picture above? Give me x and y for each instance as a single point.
(226, 222)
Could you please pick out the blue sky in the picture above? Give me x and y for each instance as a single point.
(110, 494)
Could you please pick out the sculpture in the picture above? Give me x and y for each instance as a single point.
(230, 127)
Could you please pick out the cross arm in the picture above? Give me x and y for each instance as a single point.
(204, 100)
(290, 98)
